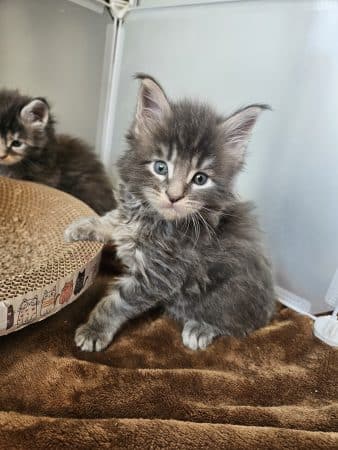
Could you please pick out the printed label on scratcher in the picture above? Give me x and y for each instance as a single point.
(34, 306)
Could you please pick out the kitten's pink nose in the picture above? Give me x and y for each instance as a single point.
(174, 197)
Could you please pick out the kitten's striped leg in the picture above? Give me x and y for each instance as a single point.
(104, 322)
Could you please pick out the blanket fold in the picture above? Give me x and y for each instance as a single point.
(276, 389)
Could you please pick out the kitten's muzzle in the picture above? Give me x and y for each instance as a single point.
(174, 198)
(9, 153)
(10, 157)
(172, 208)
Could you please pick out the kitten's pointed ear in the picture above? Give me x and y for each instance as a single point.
(152, 105)
(237, 129)
(35, 113)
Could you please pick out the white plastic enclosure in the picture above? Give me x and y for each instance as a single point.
(284, 53)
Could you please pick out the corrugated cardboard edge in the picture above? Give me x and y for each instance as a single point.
(34, 306)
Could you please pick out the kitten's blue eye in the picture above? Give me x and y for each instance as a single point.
(161, 167)
(200, 178)
(16, 143)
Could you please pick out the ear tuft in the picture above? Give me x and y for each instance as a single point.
(35, 113)
(237, 128)
(152, 104)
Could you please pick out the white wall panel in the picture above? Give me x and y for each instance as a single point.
(55, 48)
(284, 53)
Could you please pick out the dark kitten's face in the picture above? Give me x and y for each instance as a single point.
(183, 157)
(23, 126)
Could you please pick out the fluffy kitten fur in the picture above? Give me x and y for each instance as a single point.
(188, 244)
(30, 150)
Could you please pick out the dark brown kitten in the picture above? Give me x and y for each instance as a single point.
(31, 150)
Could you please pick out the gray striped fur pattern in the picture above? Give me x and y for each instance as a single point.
(188, 244)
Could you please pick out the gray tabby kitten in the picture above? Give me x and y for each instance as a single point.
(188, 244)
(31, 150)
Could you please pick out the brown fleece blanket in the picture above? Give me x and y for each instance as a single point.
(277, 389)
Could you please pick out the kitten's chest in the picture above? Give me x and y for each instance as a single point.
(143, 249)
(152, 248)
(127, 236)
(9, 172)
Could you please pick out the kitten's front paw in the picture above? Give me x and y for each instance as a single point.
(89, 339)
(197, 335)
(84, 229)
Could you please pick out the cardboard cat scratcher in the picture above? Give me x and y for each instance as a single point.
(39, 272)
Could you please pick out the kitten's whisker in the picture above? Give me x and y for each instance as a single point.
(214, 234)
(196, 228)
(204, 223)
(209, 228)
(224, 213)
(186, 221)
